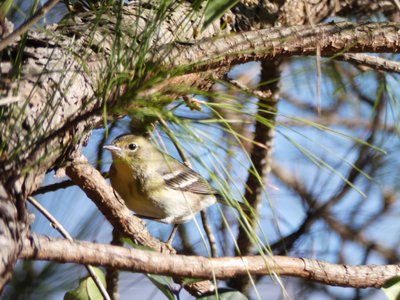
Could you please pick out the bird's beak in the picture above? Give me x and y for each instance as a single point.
(114, 149)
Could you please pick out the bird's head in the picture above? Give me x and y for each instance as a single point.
(130, 148)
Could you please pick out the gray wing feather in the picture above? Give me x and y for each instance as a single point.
(185, 179)
(177, 176)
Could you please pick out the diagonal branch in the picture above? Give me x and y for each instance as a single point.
(96, 188)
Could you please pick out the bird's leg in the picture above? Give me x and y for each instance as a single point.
(172, 235)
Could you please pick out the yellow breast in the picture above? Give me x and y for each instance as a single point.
(134, 191)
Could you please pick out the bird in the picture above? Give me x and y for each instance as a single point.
(155, 185)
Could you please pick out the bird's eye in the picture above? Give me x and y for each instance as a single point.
(132, 147)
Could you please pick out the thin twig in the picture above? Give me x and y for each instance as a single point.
(373, 62)
(28, 24)
(211, 237)
(357, 235)
(112, 274)
(57, 226)
(53, 187)
(244, 88)
(344, 230)
(317, 210)
(59, 185)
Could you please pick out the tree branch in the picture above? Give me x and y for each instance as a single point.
(272, 43)
(58, 226)
(110, 204)
(63, 251)
(369, 61)
(112, 274)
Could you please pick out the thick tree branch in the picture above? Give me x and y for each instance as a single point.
(63, 251)
(272, 43)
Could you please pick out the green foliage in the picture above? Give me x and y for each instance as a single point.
(215, 9)
(4, 8)
(87, 289)
(164, 284)
(137, 246)
(188, 280)
(392, 288)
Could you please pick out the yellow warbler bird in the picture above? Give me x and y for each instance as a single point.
(155, 185)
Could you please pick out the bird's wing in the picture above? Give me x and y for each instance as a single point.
(180, 177)
(177, 176)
